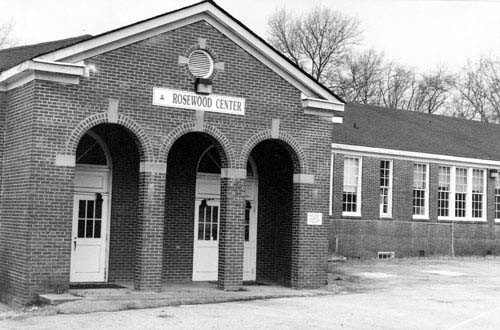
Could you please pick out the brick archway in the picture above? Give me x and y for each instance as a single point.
(297, 154)
(144, 144)
(223, 145)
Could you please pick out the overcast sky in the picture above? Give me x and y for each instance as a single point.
(421, 33)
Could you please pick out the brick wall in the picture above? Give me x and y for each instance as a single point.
(3, 109)
(368, 234)
(16, 185)
(365, 238)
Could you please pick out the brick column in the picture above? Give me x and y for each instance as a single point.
(309, 242)
(151, 219)
(433, 192)
(231, 229)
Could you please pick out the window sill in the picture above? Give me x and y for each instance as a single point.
(351, 215)
(385, 217)
(420, 217)
(481, 220)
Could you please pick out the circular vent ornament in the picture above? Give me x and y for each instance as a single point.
(200, 64)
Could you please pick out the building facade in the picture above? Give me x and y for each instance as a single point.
(179, 148)
(411, 184)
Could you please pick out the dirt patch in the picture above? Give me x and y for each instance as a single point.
(351, 276)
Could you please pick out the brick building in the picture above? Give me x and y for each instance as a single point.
(414, 184)
(178, 148)
(185, 148)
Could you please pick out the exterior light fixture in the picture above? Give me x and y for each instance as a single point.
(493, 173)
(203, 86)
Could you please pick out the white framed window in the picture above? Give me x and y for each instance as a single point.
(497, 199)
(444, 188)
(420, 191)
(385, 188)
(478, 189)
(461, 193)
(351, 197)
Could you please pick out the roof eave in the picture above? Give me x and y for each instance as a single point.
(43, 70)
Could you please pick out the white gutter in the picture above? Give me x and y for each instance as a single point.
(412, 155)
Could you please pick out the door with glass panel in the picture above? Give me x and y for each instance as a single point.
(88, 246)
(250, 231)
(206, 240)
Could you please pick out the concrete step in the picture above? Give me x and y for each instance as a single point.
(56, 299)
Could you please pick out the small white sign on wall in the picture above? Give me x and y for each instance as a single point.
(314, 219)
(188, 100)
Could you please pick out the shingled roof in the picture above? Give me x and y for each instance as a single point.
(13, 56)
(378, 127)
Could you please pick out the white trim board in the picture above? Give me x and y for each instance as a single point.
(412, 155)
(34, 69)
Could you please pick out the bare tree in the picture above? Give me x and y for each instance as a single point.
(491, 71)
(398, 86)
(471, 88)
(316, 41)
(431, 91)
(6, 35)
(359, 78)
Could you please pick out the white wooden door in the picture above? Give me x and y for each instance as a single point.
(89, 239)
(250, 239)
(206, 240)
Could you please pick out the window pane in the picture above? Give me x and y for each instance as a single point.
(89, 229)
(461, 180)
(247, 224)
(460, 202)
(419, 176)
(444, 173)
(90, 209)
(81, 228)
(215, 222)
(97, 229)
(208, 211)
(81, 209)
(477, 181)
(98, 209)
(444, 184)
(201, 222)
(351, 184)
(477, 205)
(349, 202)
(497, 203)
(419, 189)
(385, 186)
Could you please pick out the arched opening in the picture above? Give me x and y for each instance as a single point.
(274, 161)
(192, 208)
(105, 206)
(183, 159)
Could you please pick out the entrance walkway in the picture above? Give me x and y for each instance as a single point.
(94, 300)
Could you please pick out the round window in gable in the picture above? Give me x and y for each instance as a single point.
(201, 64)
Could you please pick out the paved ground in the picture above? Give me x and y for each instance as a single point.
(462, 293)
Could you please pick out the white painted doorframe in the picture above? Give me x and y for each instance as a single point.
(87, 263)
(250, 246)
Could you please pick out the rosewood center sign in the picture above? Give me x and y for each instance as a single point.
(188, 100)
